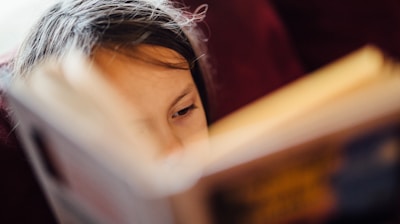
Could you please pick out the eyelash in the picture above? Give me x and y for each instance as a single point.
(184, 111)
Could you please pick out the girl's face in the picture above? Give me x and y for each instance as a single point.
(166, 98)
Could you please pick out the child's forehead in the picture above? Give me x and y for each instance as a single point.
(146, 53)
(152, 66)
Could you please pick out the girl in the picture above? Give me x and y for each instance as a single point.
(151, 50)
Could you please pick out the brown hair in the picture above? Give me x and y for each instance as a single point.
(118, 25)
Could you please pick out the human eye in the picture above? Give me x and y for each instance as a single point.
(184, 112)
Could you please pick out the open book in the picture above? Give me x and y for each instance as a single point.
(324, 149)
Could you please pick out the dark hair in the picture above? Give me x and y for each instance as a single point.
(119, 25)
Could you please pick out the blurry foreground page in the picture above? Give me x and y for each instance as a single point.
(324, 149)
(94, 164)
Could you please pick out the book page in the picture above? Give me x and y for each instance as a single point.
(333, 161)
(76, 90)
(297, 103)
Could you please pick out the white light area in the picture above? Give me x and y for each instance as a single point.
(16, 18)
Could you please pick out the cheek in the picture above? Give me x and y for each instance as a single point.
(193, 129)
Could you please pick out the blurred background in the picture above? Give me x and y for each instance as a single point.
(16, 16)
(258, 46)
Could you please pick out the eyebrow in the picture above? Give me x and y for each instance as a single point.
(188, 89)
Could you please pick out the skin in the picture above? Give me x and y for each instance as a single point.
(166, 98)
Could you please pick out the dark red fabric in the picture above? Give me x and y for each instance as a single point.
(324, 30)
(251, 50)
(22, 200)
